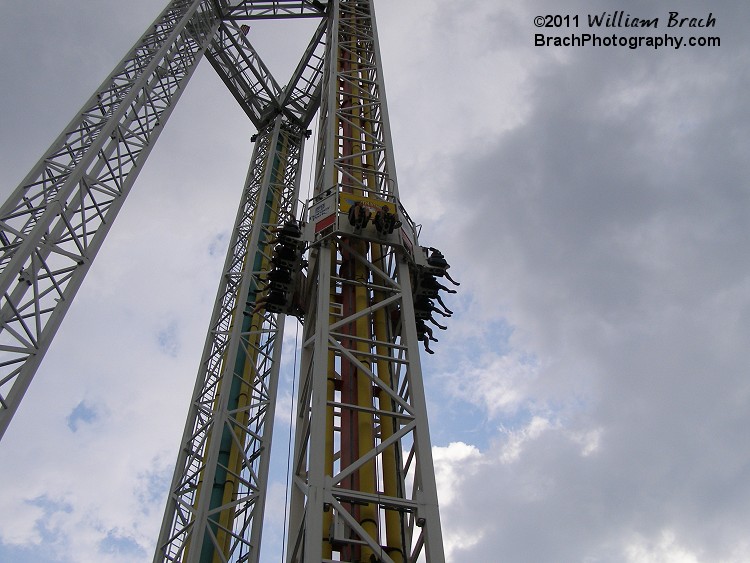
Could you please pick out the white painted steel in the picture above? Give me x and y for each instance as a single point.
(53, 224)
(353, 111)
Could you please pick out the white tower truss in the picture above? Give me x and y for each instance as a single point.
(363, 486)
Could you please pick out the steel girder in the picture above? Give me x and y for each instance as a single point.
(216, 501)
(273, 9)
(244, 73)
(301, 97)
(251, 83)
(363, 478)
(53, 224)
(215, 507)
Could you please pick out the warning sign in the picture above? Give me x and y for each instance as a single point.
(323, 213)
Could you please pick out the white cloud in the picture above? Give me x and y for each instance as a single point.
(592, 398)
(454, 464)
(665, 549)
(516, 439)
(451, 463)
(500, 385)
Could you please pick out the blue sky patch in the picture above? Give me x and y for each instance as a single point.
(121, 545)
(168, 339)
(83, 413)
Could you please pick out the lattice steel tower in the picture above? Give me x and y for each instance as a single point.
(363, 484)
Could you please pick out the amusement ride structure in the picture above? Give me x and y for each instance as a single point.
(347, 263)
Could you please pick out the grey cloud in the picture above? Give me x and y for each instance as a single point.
(614, 223)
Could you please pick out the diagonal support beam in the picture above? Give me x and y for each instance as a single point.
(54, 223)
(243, 72)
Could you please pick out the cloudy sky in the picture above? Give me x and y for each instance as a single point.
(590, 400)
